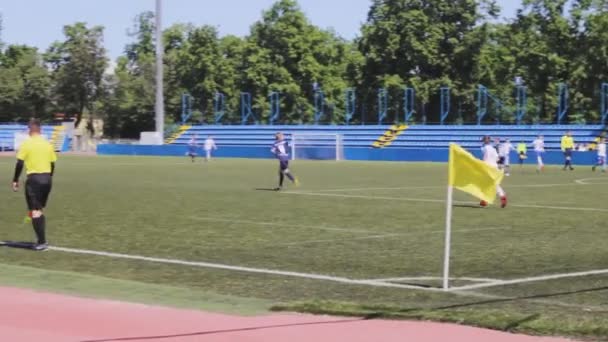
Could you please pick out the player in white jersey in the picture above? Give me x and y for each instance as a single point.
(539, 149)
(601, 155)
(490, 157)
(504, 153)
(209, 145)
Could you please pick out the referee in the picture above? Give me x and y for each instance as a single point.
(39, 158)
(567, 145)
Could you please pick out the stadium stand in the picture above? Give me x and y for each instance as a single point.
(55, 134)
(418, 136)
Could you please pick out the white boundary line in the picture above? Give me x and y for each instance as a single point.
(377, 283)
(475, 280)
(279, 224)
(241, 269)
(575, 183)
(426, 200)
(370, 237)
(530, 280)
(383, 236)
(585, 181)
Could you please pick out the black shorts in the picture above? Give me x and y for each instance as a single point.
(284, 165)
(568, 152)
(37, 190)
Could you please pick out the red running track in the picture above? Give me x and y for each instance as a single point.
(28, 316)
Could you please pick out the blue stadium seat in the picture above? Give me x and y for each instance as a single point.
(7, 134)
(413, 137)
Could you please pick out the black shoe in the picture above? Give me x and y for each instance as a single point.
(571, 168)
(39, 247)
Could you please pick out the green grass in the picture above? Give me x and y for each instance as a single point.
(93, 286)
(381, 228)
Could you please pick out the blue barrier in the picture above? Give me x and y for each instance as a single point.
(67, 142)
(350, 153)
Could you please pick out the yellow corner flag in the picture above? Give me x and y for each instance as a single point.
(471, 175)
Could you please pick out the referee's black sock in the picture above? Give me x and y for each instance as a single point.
(39, 227)
(281, 178)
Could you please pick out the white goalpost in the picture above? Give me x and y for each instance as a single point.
(317, 146)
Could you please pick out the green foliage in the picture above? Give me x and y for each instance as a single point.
(24, 84)
(129, 102)
(378, 233)
(78, 65)
(424, 44)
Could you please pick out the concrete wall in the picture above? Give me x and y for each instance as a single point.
(351, 153)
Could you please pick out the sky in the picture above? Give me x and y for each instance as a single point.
(39, 22)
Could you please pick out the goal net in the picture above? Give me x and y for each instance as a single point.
(319, 146)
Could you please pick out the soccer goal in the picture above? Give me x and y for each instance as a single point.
(318, 146)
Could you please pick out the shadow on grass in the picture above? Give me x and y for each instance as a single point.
(225, 331)
(470, 206)
(17, 244)
(513, 299)
(266, 189)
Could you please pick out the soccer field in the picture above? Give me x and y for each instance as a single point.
(354, 238)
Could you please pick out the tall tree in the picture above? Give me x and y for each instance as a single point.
(200, 61)
(544, 38)
(421, 43)
(285, 53)
(590, 67)
(25, 83)
(78, 65)
(129, 105)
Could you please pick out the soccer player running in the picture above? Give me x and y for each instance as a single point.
(192, 148)
(601, 155)
(490, 157)
(504, 153)
(38, 156)
(567, 146)
(539, 148)
(209, 145)
(280, 149)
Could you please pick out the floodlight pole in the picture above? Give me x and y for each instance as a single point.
(159, 107)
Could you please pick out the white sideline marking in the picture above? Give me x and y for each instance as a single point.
(371, 237)
(530, 280)
(280, 224)
(576, 182)
(382, 236)
(376, 283)
(409, 199)
(476, 280)
(242, 269)
(585, 181)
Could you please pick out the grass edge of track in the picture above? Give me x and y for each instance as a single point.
(534, 324)
(96, 287)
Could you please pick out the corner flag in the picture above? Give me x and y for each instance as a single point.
(473, 176)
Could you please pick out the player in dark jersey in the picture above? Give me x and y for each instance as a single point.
(280, 149)
(192, 146)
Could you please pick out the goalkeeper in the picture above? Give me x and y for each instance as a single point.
(280, 149)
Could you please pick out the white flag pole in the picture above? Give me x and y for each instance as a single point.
(448, 238)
